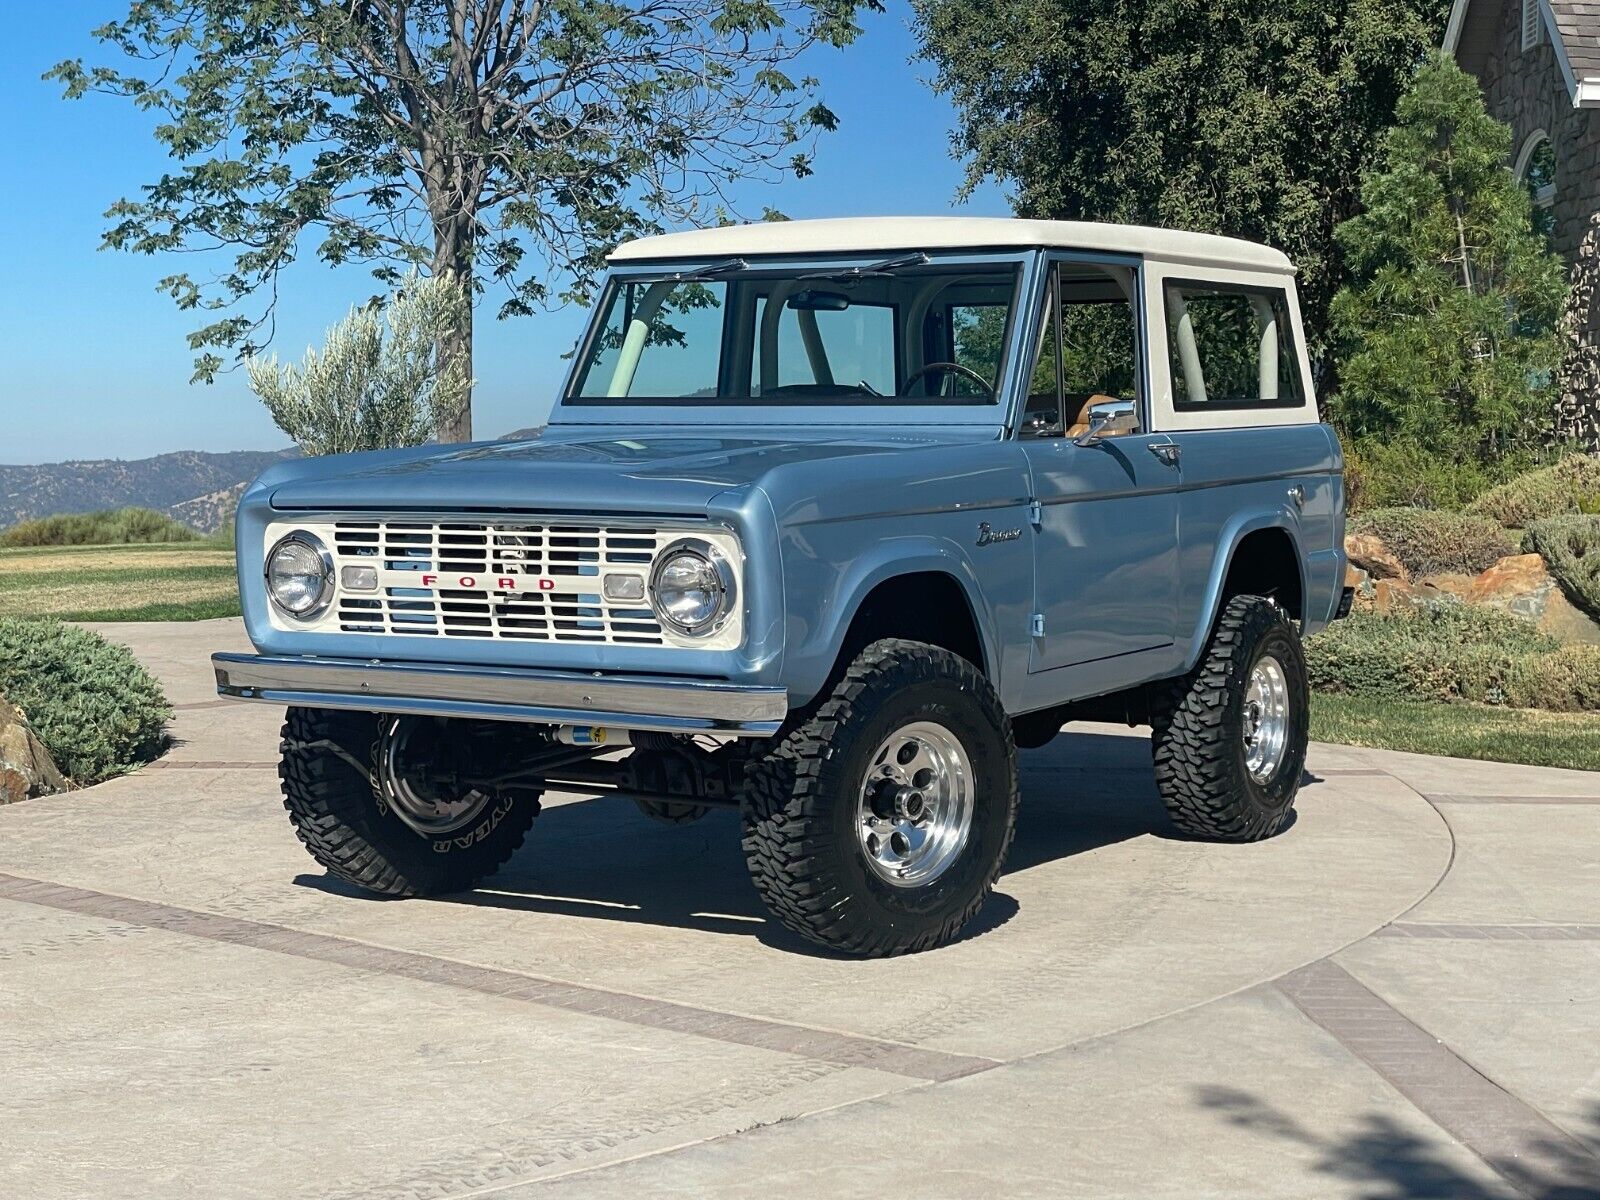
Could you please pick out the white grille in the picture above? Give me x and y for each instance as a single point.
(524, 581)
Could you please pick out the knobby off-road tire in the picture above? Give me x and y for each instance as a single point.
(804, 838)
(1202, 743)
(326, 769)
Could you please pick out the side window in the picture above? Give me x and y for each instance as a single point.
(1231, 348)
(1087, 354)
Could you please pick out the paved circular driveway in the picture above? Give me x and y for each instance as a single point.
(1401, 993)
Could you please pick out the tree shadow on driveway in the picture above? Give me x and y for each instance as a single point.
(1387, 1161)
(604, 859)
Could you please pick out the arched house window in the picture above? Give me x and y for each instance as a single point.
(1536, 168)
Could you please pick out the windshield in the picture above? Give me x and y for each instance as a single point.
(903, 332)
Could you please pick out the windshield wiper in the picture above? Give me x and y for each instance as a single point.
(728, 267)
(877, 271)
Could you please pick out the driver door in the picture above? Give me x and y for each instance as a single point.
(1106, 551)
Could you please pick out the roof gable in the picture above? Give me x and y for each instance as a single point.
(1573, 26)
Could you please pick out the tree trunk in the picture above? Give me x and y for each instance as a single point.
(1577, 411)
(453, 253)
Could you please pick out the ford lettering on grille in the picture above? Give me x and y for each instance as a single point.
(533, 582)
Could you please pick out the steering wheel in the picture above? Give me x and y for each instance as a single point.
(949, 368)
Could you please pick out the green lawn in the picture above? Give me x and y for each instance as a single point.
(1543, 739)
(183, 581)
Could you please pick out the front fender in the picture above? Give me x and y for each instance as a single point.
(825, 597)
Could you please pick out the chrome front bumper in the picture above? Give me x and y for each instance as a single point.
(503, 694)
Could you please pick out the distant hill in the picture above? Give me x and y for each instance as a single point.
(192, 485)
(196, 487)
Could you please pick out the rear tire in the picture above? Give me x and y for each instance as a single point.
(1230, 744)
(327, 770)
(880, 825)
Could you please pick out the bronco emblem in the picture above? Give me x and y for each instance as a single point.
(988, 536)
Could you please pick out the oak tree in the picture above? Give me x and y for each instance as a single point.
(1223, 116)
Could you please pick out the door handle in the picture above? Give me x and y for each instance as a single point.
(1167, 452)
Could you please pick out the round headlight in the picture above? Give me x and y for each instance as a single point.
(691, 587)
(300, 575)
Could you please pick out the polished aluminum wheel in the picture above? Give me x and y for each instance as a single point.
(406, 789)
(916, 805)
(1266, 719)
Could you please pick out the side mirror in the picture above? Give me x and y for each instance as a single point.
(1109, 418)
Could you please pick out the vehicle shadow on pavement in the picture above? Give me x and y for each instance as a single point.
(603, 859)
(1383, 1154)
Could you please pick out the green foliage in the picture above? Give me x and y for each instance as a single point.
(1544, 739)
(1453, 651)
(371, 387)
(1398, 473)
(95, 708)
(507, 141)
(1569, 486)
(111, 527)
(1448, 329)
(1233, 117)
(1570, 546)
(1434, 543)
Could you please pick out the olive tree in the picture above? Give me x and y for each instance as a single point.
(507, 142)
(379, 381)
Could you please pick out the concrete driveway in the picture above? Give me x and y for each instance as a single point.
(1399, 997)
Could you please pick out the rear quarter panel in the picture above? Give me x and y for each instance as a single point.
(1236, 481)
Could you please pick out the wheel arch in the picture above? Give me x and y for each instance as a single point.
(930, 596)
(1258, 554)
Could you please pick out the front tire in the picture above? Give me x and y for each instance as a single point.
(880, 825)
(346, 809)
(1230, 748)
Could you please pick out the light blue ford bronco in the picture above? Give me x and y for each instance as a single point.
(830, 518)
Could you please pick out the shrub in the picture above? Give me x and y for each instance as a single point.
(1565, 680)
(1452, 651)
(1571, 485)
(96, 710)
(1402, 474)
(1570, 545)
(1429, 543)
(111, 527)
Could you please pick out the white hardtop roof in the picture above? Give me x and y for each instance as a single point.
(886, 235)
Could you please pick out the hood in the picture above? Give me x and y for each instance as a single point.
(575, 470)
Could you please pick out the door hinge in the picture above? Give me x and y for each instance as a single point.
(1035, 514)
(1036, 625)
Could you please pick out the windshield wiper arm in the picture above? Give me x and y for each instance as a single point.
(877, 270)
(727, 267)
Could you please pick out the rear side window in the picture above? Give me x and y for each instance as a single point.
(1231, 348)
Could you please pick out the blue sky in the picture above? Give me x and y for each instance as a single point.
(95, 361)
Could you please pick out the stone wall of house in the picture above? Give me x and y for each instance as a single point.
(1527, 90)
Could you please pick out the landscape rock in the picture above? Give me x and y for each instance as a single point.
(1368, 552)
(1390, 595)
(1566, 622)
(26, 768)
(1456, 585)
(1521, 585)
